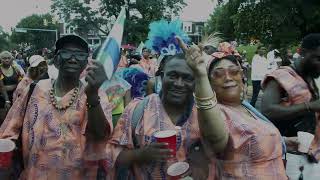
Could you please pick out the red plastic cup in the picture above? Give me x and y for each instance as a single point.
(178, 170)
(170, 137)
(6, 152)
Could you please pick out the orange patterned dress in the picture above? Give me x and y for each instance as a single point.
(154, 119)
(254, 149)
(297, 93)
(55, 143)
(22, 86)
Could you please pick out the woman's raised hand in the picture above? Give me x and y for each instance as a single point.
(196, 58)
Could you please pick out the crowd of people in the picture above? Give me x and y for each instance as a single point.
(69, 121)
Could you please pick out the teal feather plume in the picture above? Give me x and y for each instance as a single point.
(161, 37)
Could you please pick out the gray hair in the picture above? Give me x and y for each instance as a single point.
(4, 54)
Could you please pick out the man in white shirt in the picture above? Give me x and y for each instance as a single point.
(274, 60)
(270, 54)
(259, 70)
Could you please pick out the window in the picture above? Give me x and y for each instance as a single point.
(96, 41)
(71, 30)
(189, 29)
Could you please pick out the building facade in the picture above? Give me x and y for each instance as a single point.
(94, 37)
(195, 30)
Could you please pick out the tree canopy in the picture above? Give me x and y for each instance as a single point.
(4, 40)
(281, 23)
(39, 39)
(100, 14)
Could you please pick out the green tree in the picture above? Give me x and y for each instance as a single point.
(36, 39)
(281, 23)
(85, 15)
(222, 19)
(4, 40)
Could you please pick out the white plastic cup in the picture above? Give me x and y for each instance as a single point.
(6, 153)
(178, 170)
(305, 140)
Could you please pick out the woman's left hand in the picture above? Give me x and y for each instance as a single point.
(196, 57)
(95, 77)
(292, 143)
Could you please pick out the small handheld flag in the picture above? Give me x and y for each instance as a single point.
(109, 53)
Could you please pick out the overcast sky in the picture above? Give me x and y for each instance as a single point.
(11, 11)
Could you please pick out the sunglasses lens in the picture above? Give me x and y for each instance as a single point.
(77, 55)
(234, 71)
(81, 56)
(65, 55)
(218, 73)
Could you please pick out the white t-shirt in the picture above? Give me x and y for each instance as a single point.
(270, 55)
(273, 63)
(296, 55)
(259, 67)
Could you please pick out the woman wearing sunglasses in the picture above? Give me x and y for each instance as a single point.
(245, 146)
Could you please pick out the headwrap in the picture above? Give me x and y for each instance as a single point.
(224, 49)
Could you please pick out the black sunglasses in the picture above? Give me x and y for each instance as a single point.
(78, 55)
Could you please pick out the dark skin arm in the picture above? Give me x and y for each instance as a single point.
(152, 152)
(272, 108)
(10, 87)
(5, 95)
(211, 121)
(97, 123)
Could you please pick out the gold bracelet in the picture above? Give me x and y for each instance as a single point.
(205, 105)
(207, 102)
(203, 99)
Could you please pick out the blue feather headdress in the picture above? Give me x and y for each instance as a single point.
(161, 37)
